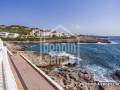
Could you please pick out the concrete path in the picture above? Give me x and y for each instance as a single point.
(30, 77)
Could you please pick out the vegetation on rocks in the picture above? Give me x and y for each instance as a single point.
(22, 30)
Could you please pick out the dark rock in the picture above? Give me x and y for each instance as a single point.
(71, 64)
(116, 75)
(81, 75)
(83, 71)
(67, 77)
(65, 82)
(87, 77)
(74, 76)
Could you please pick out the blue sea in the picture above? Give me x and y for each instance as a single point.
(100, 59)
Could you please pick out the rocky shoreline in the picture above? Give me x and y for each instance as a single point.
(67, 76)
(71, 78)
(80, 39)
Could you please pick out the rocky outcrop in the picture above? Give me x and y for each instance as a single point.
(116, 75)
(85, 75)
(70, 78)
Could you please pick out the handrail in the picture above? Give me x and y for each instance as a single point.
(9, 78)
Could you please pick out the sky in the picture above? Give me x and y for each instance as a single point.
(94, 17)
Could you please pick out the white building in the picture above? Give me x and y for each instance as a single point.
(13, 35)
(8, 35)
(41, 33)
(58, 34)
(45, 33)
(4, 34)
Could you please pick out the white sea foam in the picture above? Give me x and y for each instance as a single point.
(113, 42)
(62, 54)
(102, 43)
(99, 73)
(72, 58)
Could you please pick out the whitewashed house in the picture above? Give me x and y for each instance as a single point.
(46, 34)
(58, 34)
(4, 34)
(13, 35)
(8, 35)
(41, 33)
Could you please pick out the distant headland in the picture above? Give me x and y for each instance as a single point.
(38, 35)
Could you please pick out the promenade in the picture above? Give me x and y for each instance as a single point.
(26, 75)
(31, 79)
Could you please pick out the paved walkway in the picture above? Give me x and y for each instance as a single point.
(31, 78)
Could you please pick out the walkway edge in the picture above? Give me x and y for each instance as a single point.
(9, 77)
(57, 86)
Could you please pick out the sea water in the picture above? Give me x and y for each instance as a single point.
(100, 59)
